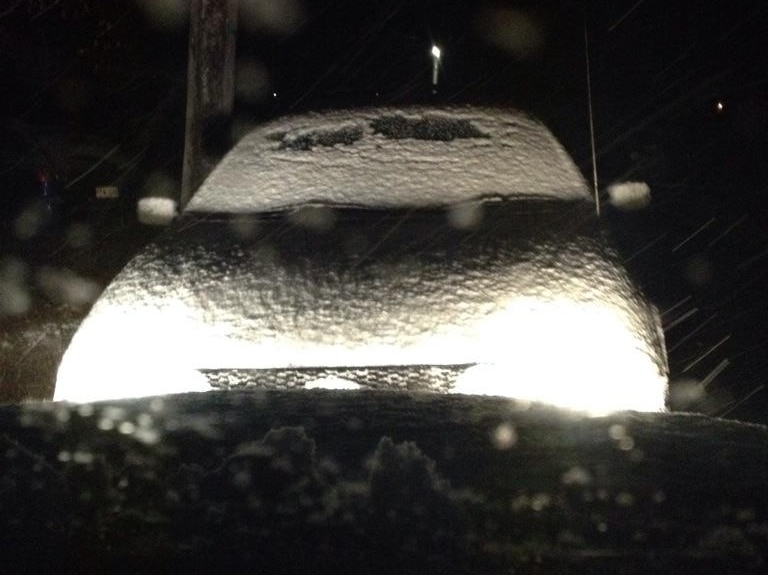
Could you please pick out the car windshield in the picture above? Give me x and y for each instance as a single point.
(465, 286)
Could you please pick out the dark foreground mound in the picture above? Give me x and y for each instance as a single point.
(350, 482)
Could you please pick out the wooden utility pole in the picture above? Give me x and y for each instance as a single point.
(210, 89)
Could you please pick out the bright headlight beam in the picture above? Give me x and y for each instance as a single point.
(552, 359)
(583, 356)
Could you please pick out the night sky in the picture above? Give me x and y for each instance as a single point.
(680, 101)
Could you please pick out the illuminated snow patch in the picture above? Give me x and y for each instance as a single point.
(66, 286)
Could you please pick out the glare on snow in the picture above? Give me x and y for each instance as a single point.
(581, 356)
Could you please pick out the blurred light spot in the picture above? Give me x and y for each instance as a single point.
(63, 285)
(436, 52)
(576, 476)
(625, 499)
(126, 428)
(626, 444)
(520, 502)
(144, 420)
(623, 440)
(539, 501)
(276, 17)
(242, 479)
(156, 211)
(630, 195)
(62, 414)
(617, 431)
(106, 424)
(504, 436)
(512, 30)
(14, 299)
(79, 235)
(568, 538)
(165, 14)
(637, 455)
(698, 270)
(684, 393)
(465, 216)
(334, 383)
(252, 82)
(85, 410)
(82, 457)
(115, 413)
(244, 226)
(31, 221)
(147, 436)
(719, 107)
(14, 295)
(315, 218)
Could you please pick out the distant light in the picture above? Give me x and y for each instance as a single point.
(436, 54)
(274, 94)
(719, 107)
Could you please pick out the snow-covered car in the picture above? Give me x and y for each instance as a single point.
(435, 249)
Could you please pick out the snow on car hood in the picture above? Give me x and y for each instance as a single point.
(391, 158)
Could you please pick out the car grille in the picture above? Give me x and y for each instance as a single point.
(433, 378)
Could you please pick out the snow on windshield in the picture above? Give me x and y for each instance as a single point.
(417, 157)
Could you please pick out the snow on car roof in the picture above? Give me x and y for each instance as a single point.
(383, 158)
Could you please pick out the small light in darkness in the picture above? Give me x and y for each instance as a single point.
(719, 107)
(436, 54)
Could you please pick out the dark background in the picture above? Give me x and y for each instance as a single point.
(115, 71)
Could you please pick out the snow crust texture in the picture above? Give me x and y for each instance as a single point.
(391, 158)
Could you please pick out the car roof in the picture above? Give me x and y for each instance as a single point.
(391, 157)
